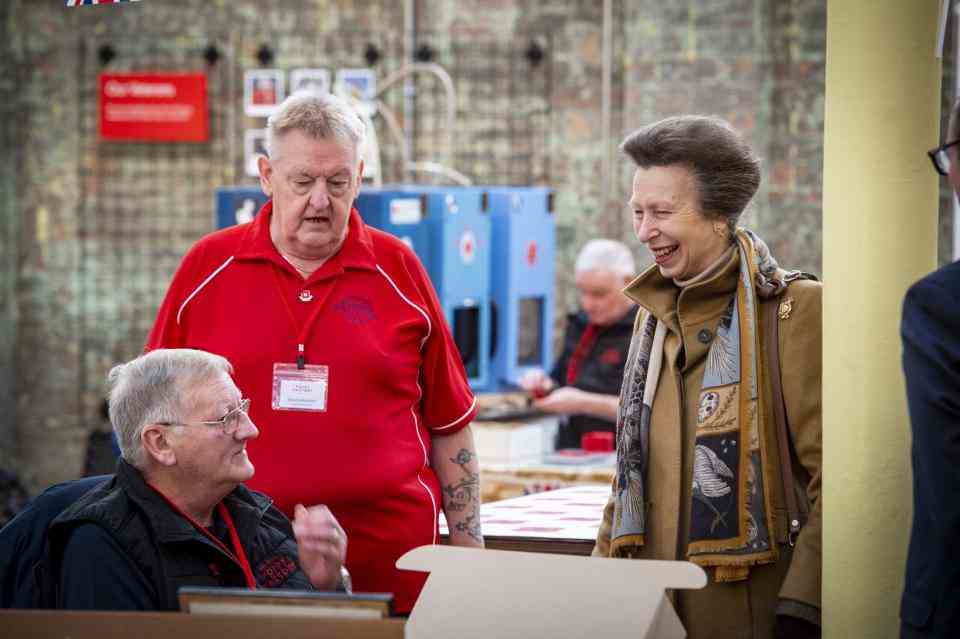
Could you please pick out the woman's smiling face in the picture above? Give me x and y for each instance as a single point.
(667, 218)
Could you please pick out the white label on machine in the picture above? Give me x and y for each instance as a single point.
(406, 211)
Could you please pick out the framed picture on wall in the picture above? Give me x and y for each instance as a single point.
(254, 145)
(316, 80)
(357, 83)
(263, 90)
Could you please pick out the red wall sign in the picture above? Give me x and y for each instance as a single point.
(168, 107)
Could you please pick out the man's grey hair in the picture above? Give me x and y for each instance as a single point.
(156, 387)
(608, 255)
(322, 116)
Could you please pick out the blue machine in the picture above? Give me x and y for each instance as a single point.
(238, 204)
(522, 282)
(450, 233)
(400, 211)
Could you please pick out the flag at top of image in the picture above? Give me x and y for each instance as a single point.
(80, 3)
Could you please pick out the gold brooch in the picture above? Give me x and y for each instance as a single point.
(786, 307)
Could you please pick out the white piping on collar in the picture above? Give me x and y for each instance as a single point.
(200, 287)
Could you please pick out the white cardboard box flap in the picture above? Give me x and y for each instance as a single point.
(480, 593)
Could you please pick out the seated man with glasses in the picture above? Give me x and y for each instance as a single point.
(176, 513)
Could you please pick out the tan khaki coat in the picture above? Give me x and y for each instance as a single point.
(746, 608)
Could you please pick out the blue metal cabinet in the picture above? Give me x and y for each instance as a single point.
(400, 212)
(451, 236)
(237, 204)
(522, 282)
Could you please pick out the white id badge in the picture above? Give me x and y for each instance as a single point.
(300, 389)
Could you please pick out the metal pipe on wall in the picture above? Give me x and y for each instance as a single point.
(441, 74)
(606, 161)
(396, 130)
(409, 44)
(956, 94)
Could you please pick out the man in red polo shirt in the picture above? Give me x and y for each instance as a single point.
(337, 336)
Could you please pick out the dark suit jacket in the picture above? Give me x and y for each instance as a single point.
(930, 329)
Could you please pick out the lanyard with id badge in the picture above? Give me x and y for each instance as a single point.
(300, 386)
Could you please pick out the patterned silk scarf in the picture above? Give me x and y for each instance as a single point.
(731, 517)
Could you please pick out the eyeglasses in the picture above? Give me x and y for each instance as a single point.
(229, 423)
(940, 157)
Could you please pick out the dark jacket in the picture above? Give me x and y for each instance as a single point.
(23, 541)
(930, 329)
(600, 372)
(121, 547)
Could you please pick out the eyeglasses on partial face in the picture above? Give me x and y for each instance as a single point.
(940, 157)
(229, 423)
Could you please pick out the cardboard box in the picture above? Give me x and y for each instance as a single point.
(474, 593)
(511, 442)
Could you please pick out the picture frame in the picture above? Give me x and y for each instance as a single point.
(263, 91)
(360, 84)
(317, 80)
(254, 145)
(284, 603)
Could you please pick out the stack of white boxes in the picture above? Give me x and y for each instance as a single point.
(515, 441)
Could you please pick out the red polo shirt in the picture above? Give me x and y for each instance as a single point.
(395, 381)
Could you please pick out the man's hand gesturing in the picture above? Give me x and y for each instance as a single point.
(322, 545)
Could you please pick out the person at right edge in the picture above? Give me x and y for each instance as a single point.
(930, 328)
(707, 397)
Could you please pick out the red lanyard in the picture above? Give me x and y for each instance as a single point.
(305, 331)
(238, 556)
(584, 346)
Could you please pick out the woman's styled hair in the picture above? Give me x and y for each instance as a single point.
(726, 169)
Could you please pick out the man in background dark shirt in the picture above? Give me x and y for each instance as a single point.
(585, 380)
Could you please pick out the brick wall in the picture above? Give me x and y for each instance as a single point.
(9, 224)
(87, 251)
(759, 65)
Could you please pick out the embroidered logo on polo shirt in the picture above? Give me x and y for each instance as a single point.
(611, 356)
(274, 571)
(356, 310)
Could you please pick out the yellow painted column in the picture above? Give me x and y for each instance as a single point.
(879, 235)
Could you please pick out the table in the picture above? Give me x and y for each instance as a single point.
(57, 624)
(563, 521)
(504, 481)
(516, 452)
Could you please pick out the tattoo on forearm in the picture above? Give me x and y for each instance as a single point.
(464, 496)
(471, 526)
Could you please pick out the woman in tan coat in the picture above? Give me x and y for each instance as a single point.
(701, 475)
